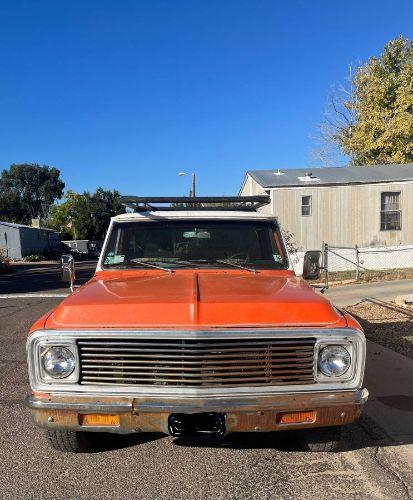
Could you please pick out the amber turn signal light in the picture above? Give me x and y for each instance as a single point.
(99, 420)
(297, 417)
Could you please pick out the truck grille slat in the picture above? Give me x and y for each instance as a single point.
(195, 372)
(188, 350)
(207, 367)
(190, 344)
(210, 355)
(191, 382)
(221, 360)
(197, 363)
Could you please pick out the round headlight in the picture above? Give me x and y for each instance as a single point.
(334, 360)
(58, 362)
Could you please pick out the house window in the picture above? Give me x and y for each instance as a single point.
(306, 206)
(390, 214)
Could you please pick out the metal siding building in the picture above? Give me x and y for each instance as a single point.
(18, 240)
(365, 206)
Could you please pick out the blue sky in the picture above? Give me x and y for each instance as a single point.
(125, 94)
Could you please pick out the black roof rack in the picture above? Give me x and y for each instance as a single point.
(152, 203)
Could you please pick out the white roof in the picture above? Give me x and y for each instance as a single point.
(19, 226)
(192, 214)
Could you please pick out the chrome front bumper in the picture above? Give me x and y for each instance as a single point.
(243, 414)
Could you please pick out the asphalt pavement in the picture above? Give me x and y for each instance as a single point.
(266, 466)
(347, 295)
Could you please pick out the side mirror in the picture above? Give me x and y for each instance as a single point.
(67, 263)
(312, 265)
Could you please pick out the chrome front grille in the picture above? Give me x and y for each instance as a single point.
(196, 362)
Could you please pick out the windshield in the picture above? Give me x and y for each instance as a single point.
(194, 243)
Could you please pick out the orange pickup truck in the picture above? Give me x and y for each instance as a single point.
(195, 323)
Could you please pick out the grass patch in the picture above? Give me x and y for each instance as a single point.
(35, 257)
(370, 276)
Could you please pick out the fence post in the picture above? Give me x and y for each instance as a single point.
(325, 255)
(357, 263)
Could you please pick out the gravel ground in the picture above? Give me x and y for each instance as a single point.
(387, 324)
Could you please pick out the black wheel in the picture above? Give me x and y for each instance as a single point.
(69, 441)
(321, 439)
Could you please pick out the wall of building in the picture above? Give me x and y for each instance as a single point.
(341, 215)
(10, 241)
(34, 241)
(252, 188)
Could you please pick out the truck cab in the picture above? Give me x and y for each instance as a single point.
(195, 323)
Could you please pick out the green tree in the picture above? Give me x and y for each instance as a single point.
(104, 205)
(66, 217)
(86, 215)
(372, 121)
(27, 190)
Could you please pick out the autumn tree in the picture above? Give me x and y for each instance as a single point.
(371, 118)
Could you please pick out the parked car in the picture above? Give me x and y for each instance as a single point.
(195, 323)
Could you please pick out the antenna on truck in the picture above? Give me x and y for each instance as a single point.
(158, 203)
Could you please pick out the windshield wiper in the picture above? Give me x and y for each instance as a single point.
(140, 262)
(236, 264)
(227, 262)
(150, 264)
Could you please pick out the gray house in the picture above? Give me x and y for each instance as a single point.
(18, 240)
(343, 206)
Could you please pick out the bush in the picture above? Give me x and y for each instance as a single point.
(4, 261)
(35, 257)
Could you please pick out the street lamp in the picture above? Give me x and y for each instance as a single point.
(192, 193)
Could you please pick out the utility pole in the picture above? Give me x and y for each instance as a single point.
(193, 184)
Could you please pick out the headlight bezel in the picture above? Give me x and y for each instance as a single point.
(42, 347)
(349, 374)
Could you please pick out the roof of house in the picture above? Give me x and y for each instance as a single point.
(18, 226)
(332, 175)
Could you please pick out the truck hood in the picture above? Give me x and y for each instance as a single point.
(193, 299)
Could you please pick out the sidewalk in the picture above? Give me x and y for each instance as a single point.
(389, 379)
(388, 375)
(348, 295)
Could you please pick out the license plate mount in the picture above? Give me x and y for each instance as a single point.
(196, 424)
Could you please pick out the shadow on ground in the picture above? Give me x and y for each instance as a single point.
(362, 434)
(388, 376)
(103, 442)
(42, 278)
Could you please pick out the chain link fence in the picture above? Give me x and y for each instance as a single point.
(366, 264)
(357, 264)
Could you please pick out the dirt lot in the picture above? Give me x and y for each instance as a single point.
(386, 323)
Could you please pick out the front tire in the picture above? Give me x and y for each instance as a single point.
(69, 441)
(323, 439)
